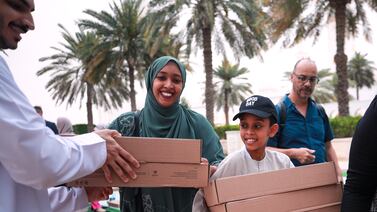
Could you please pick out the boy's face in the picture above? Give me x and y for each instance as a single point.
(255, 132)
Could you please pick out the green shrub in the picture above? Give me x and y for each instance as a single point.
(80, 128)
(220, 130)
(344, 126)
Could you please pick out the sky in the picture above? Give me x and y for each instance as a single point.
(266, 76)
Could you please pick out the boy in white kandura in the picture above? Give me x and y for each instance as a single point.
(258, 122)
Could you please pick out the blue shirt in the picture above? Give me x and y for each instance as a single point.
(312, 131)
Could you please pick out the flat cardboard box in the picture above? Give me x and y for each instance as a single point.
(162, 150)
(153, 175)
(303, 200)
(332, 207)
(259, 184)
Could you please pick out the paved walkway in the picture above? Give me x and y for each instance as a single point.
(342, 148)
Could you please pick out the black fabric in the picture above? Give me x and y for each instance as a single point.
(361, 183)
(52, 126)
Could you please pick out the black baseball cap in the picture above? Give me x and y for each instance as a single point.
(259, 106)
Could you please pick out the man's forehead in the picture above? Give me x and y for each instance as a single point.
(306, 65)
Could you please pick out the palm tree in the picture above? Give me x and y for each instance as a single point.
(324, 91)
(230, 93)
(239, 22)
(70, 69)
(305, 18)
(122, 32)
(361, 72)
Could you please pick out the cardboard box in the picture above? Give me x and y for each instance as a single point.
(303, 200)
(161, 150)
(254, 185)
(154, 175)
(332, 207)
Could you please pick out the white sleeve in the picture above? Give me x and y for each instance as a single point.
(31, 153)
(199, 203)
(63, 199)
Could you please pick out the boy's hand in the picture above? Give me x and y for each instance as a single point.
(212, 169)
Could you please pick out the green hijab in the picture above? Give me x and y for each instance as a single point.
(170, 122)
(174, 121)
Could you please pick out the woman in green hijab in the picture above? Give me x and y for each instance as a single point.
(163, 116)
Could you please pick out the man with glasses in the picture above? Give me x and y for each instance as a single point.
(306, 135)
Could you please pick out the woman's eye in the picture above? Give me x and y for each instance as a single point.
(161, 78)
(177, 81)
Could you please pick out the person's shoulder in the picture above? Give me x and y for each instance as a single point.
(123, 119)
(197, 115)
(228, 166)
(50, 124)
(277, 156)
(200, 120)
(126, 115)
(236, 154)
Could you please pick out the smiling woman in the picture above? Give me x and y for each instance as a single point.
(163, 116)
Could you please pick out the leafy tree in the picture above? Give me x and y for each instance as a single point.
(302, 18)
(122, 31)
(70, 67)
(239, 22)
(230, 93)
(361, 72)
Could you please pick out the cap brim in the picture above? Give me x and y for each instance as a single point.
(260, 114)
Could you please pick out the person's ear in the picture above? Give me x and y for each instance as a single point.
(273, 130)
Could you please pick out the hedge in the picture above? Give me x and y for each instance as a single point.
(80, 129)
(220, 130)
(342, 126)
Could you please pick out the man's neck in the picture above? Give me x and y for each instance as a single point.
(300, 102)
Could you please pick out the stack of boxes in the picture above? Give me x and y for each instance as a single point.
(165, 162)
(307, 188)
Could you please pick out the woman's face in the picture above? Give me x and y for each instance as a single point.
(167, 86)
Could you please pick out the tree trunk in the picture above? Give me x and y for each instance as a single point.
(131, 76)
(226, 107)
(89, 105)
(341, 59)
(357, 93)
(209, 91)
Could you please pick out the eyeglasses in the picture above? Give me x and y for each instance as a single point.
(304, 78)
